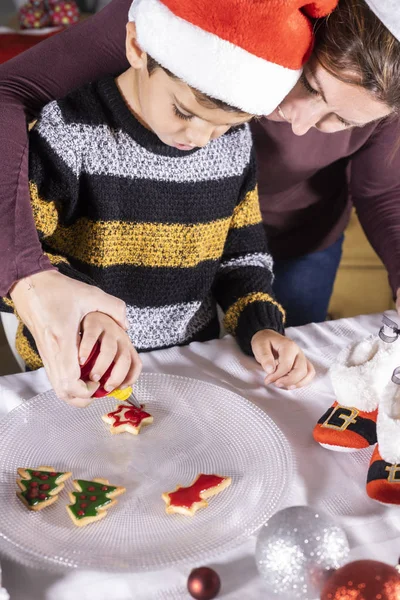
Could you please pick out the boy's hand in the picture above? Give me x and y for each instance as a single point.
(282, 360)
(115, 346)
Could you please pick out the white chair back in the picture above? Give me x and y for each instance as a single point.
(10, 325)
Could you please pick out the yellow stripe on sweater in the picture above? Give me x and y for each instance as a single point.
(234, 311)
(44, 213)
(247, 212)
(8, 302)
(107, 243)
(56, 259)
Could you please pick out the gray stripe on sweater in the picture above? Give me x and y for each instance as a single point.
(169, 325)
(254, 259)
(96, 150)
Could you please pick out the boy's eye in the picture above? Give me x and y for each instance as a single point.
(307, 86)
(180, 114)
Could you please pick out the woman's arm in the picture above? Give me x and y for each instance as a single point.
(375, 190)
(50, 70)
(49, 303)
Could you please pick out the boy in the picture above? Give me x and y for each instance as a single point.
(146, 186)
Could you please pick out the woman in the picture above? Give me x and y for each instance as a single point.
(350, 84)
(293, 171)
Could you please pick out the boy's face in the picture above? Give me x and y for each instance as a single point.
(168, 106)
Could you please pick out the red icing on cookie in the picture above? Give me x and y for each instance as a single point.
(187, 496)
(128, 415)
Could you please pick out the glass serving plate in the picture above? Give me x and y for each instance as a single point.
(198, 428)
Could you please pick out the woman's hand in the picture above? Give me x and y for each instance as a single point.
(282, 359)
(52, 306)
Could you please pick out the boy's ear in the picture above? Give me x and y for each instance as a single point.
(134, 54)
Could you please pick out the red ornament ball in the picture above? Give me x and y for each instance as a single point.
(63, 12)
(34, 15)
(363, 580)
(203, 583)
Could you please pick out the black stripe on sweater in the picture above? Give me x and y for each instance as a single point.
(148, 286)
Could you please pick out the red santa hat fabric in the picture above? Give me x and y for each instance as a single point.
(247, 53)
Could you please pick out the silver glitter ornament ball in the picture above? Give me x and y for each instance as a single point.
(295, 551)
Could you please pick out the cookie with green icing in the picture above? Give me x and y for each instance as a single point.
(91, 500)
(40, 487)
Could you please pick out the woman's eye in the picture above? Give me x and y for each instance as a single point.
(343, 122)
(180, 114)
(307, 86)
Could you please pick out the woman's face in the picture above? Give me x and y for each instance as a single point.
(320, 100)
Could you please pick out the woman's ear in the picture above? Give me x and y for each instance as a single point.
(135, 55)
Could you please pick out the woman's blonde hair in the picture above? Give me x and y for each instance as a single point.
(355, 47)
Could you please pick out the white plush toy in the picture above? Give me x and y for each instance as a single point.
(366, 382)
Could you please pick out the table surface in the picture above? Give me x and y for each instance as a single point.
(331, 481)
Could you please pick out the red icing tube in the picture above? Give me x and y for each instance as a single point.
(88, 366)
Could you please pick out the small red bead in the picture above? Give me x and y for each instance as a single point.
(104, 488)
(44, 476)
(45, 486)
(81, 513)
(36, 473)
(92, 498)
(33, 484)
(42, 496)
(82, 497)
(83, 505)
(53, 474)
(33, 494)
(91, 488)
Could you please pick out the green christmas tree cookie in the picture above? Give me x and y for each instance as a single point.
(91, 500)
(40, 487)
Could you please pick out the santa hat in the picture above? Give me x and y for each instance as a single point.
(387, 11)
(247, 53)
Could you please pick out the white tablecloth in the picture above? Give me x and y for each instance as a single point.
(331, 481)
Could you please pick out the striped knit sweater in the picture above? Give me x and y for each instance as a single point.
(171, 233)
